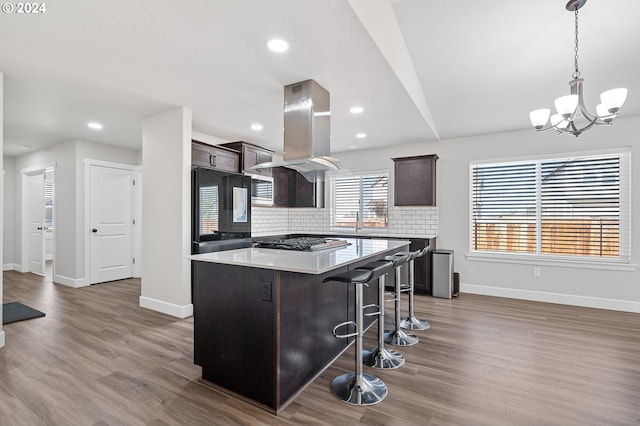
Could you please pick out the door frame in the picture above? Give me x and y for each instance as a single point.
(136, 213)
(24, 252)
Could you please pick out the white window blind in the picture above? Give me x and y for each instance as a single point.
(48, 204)
(361, 199)
(209, 209)
(562, 207)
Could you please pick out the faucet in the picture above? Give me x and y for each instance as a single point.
(358, 222)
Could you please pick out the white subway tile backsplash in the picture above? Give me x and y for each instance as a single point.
(413, 221)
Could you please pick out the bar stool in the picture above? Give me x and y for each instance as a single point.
(355, 387)
(382, 357)
(398, 337)
(411, 322)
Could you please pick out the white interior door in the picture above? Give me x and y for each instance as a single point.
(36, 217)
(111, 220)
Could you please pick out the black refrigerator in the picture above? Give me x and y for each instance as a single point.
(221, 211)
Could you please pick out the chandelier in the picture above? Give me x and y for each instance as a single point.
(569, 107)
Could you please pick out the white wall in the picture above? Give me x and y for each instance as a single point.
(611, 289)
(1, 196)
(166, 213)
(92, 151)
(203, 137)
(69, 204)
(8, 228)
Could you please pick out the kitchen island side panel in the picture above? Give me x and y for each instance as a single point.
(235, 329)
(309, 310)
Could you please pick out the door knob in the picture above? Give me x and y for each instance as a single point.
(94, 230)
(39, 228)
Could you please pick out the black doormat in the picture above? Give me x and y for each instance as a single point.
(16, 311)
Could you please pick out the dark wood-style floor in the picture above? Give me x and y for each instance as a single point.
(99, 359)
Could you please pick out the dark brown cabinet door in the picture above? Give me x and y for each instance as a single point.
(291, 189)
(200, 155)
(212, 157)
(225, 160)
(280, 187)
(422, 265)
(305, 192)
(250, 155)
(415, 180)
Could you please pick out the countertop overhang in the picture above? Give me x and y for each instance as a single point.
(317, 262)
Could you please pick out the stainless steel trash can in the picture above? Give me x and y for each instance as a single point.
(442, 273)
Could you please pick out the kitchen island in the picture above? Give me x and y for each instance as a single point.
(263, 317)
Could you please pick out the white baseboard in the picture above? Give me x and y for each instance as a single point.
(1, 338)
(562, 299)
(174, 310)
(11, 267)
(71, 282)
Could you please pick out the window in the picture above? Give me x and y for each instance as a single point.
(575, 207)
(48, 205)
(361, 199)
(209, 209)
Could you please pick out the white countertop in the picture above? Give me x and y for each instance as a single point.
(302, 261)
(350, 233)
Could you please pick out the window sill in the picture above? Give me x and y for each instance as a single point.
(562, 263)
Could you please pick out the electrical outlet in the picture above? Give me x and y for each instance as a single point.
(266, 291)
(536, 272)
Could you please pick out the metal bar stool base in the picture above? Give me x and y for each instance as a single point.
(369, 391)
(400, 338)
(383, 358)
(413, 323)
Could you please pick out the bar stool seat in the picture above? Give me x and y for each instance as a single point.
(411, 322)
(357, 388)
(381, 357)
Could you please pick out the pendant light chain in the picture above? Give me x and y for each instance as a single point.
(576, 73)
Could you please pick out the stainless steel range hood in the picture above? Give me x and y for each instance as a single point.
(306, 130)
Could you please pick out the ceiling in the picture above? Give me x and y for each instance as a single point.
(423, 69)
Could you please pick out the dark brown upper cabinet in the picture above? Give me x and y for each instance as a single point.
(415, 180)
(291, 189)
(214, 157)
(250, 155)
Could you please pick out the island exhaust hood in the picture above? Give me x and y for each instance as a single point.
(306, 131)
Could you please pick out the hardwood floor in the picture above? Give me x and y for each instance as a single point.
(99, 359)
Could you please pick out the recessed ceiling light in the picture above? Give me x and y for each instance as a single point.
(361, 135)
(257, 127)
(278, 45)
(356, 110)
(25, 146)
(95, 126)
(353, 146)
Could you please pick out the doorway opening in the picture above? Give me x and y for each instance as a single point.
(38, 221)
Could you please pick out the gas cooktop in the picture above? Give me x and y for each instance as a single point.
(302, 243)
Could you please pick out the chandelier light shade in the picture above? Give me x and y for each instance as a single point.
(571, 107)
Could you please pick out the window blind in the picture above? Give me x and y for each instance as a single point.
(557, 207)
(361, 198)
(504, 205)
(209, 209)
(48, 203)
